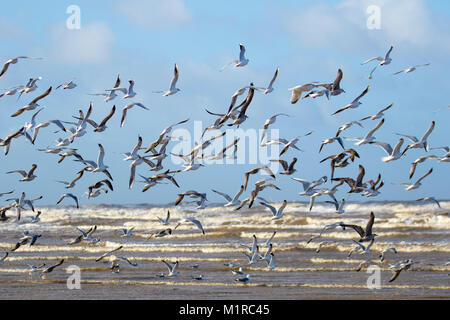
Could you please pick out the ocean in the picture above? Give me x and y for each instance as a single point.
(418, 231)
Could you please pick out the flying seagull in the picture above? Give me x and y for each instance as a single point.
(71, 196)
(27, 176)
(277, 214)
(242, 60)
(129, 106)
(14, 61)
(172, 89)
(411, 69)
(269, 88)
(355, 103)
(365, 234)
(194, 221)
(417, 184)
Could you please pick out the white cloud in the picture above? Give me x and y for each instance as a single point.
(155, 14)
(90, 44)
(343, 26)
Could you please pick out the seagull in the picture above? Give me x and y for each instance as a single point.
(133, 166)
(10, 92)
(161, 233)
(383, 61)
(328, 227)
(379, 114)
(334, 88)
(309, 186)
(270, 121)
(166, 220)
(102, 126)
(298, 91)
(365, 234)
(270, 261)
(50, 269)
(36, 217)
(14, 61)
(172, 90)
(393, 154)
(127, 232)
(277, 214)
(268, 242)
(256, 170)
(411, 69)
(288, 168)
(397, 268)
(162, 135)
(172, 268)
(72, 183)
(194, 221)
(355, 103)
(368, 137)
(239, 271)
(108, 253)
(128, 93)
(347, 125)
(98, 166)
(254, 247)
(67, 85)
(244, 280)
(3, 193)
(99, 184)
(252, 259)
(292, 143)
(383, 253)
(127, 107)
(317, 93)
(433, 199)
(331, 140)
(32, 238)
(111, 95)
(242, 60)
(417, 184)
(339, 206)
(269, 88)
(27, 176)
(422, 143)
(33, 104)
(71, 196)
(323, 243)
(231, 202)
(419, 160)
(84, 235)
(29, 87)
(362, 247)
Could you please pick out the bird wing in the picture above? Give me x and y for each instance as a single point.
(273, 79)
(46, 93)
(424, 176)
(370, 224)
(111, 113)
(272, 209)
(386, 146)
(362, 94)
(227, 197)
(430, 129)
(371, 132)
(175, 78)
(371, 59)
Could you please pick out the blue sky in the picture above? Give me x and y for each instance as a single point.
(307, 40)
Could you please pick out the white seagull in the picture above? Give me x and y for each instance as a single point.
(172, 90)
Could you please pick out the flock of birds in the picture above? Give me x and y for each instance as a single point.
(156, 152)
